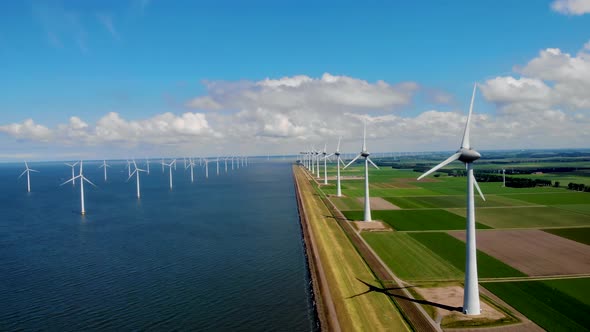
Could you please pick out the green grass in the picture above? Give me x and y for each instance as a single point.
(457, 201)
(528, 217)
(580, 208)
(408, 258)
(577, 288)
(565, 197)
(581, 235)
(549, 307)
(415, 220)
(453, 250)
(347, 203)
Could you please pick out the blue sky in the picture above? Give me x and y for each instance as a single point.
(144, 58)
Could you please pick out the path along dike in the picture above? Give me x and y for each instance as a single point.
(342, 265)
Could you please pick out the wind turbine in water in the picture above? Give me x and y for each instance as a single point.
(72, 166)
(136, 172)
(104, 166)
(191, 164)
(172, 163)
(147, 161)
(365, 154)
(467, 155)
(82, 179)
(28, 171)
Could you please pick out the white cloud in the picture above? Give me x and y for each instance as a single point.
(571, 7)
(553, 79)
(28, 130)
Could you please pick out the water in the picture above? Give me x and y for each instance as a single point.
(220, 254)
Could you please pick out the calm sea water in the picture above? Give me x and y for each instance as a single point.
(220, 254)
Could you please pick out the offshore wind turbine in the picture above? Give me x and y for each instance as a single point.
(104, 165)
(147, 161)
(217, 165)
(365, 154)
(128, 168)
(136, 172)
(467, 155)
(82, 179)
(28, 171)
(225, 159)
(163, 165)
(191, 164)
(338, 161)
(72, 166)
(172, 163)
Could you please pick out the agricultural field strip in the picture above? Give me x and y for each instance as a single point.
(416, 282)
(478, 207)
(494, 229)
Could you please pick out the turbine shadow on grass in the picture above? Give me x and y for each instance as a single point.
(387, 292)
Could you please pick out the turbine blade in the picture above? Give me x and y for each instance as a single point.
(342, 162)
(70, 180)
(23, 173)
(465, 142)
(477, 187)
(338, 147)
(365, 136)
(352, 161)
(131, 175)
(372, 163)
(441, 165)
(76, 163)
(33, 170)
(85, 179)
(69, 164)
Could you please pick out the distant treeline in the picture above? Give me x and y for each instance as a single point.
(492, 177)
(578, 187)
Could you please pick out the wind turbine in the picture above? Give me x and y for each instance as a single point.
(326, 156)
(338, 162)
(172, 163)
(191, 164)
(28, 171)
(467, 155)
(206, 168)
(136, 172)
(163, 166)
(365, 154)
(128, 168)
(217, 165)
(147, 161)
(503, 177)
(104, 165)
(225, 159)
(82, 179)
(72, 166)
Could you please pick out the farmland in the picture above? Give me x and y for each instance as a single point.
(548, 226)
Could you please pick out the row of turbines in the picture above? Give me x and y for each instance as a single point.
(465, 154)
(190, 163)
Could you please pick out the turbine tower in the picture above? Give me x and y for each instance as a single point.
(28, 171)
(467, 155)
(217, 165)
(147, 161)
(172, 163)
(191, 164)
(338, 162)
(72, 166)
(326, 156)
(136, 172)
(206, 168)
(365, 154)
(104, 165)
(82, 179)
(503, 178)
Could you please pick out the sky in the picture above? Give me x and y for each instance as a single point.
(151, 78)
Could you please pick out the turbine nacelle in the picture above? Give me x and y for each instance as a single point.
(468, 155)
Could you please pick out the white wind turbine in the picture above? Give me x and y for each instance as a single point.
(206, 168)
(147, 161)
(467, 155)
(163, 165)
(136, 172)
(82, 179)
(72, 166)
(128, 168)
(225, 159)
(28, 171)
(217, 165)
(338, 162)
(365, 154)
(191, 164)
(326, 156)
(503, 177)
(104, 166)
(172, 163)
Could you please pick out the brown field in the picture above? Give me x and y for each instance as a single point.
(378, 203)
(534, 252)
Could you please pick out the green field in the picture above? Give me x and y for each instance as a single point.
(580, 208)
(581, 235)
(528, 217)
(577, 288)
(456, 201)
(546, 304)
(409, 259)
(453, 250)
(415, 220)
(565, 197)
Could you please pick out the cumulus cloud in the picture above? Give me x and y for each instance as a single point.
(553, 79)
(571, 7)
(28, 130)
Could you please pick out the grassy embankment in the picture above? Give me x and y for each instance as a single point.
(343, 265)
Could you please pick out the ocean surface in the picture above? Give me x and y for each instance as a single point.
(223, 253)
